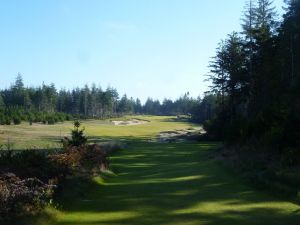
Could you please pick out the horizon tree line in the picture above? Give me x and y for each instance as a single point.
(48, 105)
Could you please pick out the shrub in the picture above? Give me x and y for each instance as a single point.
(7, 120)
(51, 120)
(31, 118)
(39, 118)
(30, 163)
(17, 120)
(31, 182)
(94, 156)
(21, 196)
(69, 117)
(82, 158)
(2, 119)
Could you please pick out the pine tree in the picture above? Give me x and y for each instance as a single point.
(2, 104)
(265, 20)
(229, 74)
(248, 31)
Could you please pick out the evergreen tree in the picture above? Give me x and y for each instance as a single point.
(2, 104)
(138, 106)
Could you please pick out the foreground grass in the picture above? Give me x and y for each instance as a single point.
(157, 183)
(170, 184)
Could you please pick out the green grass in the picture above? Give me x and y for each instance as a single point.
(48, 136)
(172, 184)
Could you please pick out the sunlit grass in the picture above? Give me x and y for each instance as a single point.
(171, 184)
(156, 183)
(48, 136)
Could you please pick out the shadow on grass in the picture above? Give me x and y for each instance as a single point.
(169, 184)
(176, 119)
(95, 139)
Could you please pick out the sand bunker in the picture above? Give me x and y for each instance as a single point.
(180, 135)
(131, 122)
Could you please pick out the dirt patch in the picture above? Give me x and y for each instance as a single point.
(131, 122)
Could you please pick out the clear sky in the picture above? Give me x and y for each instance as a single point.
(157, 48)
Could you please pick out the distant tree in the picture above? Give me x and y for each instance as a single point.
(2, 104)
(19, 85)
(125, 106)
(168, 107)
(45, 103)
(152, 107)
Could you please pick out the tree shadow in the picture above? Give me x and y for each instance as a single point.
(170, 184)
(176, 119)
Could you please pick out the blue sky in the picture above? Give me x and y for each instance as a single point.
(157, 48)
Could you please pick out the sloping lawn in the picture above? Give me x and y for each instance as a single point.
(154, 183)
(170, 184)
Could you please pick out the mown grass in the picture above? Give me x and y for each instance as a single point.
(165, 183)
(24, 136)
(169, 184)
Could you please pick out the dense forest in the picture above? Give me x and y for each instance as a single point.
(49, 105)
(255, 77)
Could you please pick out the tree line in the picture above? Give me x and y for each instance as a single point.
(255, 76)
(48, 105)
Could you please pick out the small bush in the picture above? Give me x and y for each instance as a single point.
(21, 196)
(69, 117)
(77, 159)
(17, 120)
(2, 119)
(77, 137)
(30, 163)
(7, 120)
(51, 120)
(39, 118)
